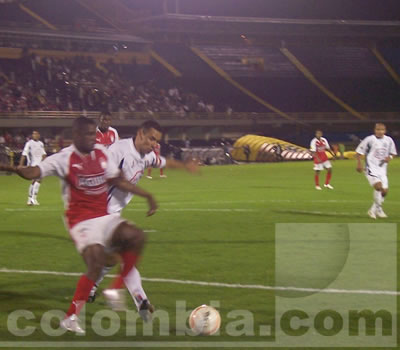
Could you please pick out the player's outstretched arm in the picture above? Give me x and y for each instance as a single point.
(191, 166)
(124, 185)
(28, 173)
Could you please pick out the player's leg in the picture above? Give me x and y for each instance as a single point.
(328, 168)
(36, 186)
(162, 173)
(380, 192)
(30, 193)
(128, 241)
(133, 282)
(149, 173)
(316, 178)
(111, 261)
(94, 257)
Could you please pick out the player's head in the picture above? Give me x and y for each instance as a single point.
(380, 130)
(147, 136)
(318, 133)
(35, 135)
(84, 134)
(104, 121)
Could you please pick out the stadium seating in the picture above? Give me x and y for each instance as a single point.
(354, 75)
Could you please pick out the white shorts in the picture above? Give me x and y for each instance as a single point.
(95, 231)
(321, 166)
(375, 178)
(34, 162)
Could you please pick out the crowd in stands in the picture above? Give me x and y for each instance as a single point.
(79, 84)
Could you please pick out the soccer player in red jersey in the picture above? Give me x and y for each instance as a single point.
(157, 151)
(87, 173)
(318, 147)
(105, 134)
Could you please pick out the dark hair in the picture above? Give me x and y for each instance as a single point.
(148, 124)
(82, 122)
(318, 130)
(104, 114)
(380, 123)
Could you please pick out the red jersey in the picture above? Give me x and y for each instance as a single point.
(107, 138)
(319, 146)
(84, 179)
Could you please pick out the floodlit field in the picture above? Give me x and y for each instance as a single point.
(217, 227)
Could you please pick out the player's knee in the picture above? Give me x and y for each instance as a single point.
(128, 237)
(384, 192)
(137, 239)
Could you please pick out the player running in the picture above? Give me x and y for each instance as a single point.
(133, 156)
(105, 134)
(87, 172)
(157, 151)
(318, 147)
(378, 150)
(33, 153)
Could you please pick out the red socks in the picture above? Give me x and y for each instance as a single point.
(129, 260)
(316, 177)
(328, 178)
(82, 292)
(161, 171)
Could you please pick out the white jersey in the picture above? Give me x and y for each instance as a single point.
(34, 152)
(375, 151)
(132, 163)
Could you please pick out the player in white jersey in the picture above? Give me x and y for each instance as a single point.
(378, 150)
(133, 156)
(33, 153)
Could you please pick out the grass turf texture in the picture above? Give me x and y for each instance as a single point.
(216, 227)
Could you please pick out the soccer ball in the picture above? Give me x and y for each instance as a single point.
(204, 320)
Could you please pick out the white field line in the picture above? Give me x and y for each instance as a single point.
(218, 284)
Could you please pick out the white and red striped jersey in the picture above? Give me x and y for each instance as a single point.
(107, 138)
(319, 146)
(157, 150)
(84, 180)
(124, 154)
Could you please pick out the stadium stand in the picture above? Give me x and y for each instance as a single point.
(354, 74)
(46, 83)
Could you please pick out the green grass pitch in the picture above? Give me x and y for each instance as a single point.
(215, 227)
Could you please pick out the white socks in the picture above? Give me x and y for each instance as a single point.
(34, 190)
(30, 191)
(378, 200)
(36, 186)
(133, 282)
(105, 271)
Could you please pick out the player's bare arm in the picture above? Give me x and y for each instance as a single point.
(22, 161)
(191, 166)
(28, 173)
(332, 153)
(359, 162)
(124, 185)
